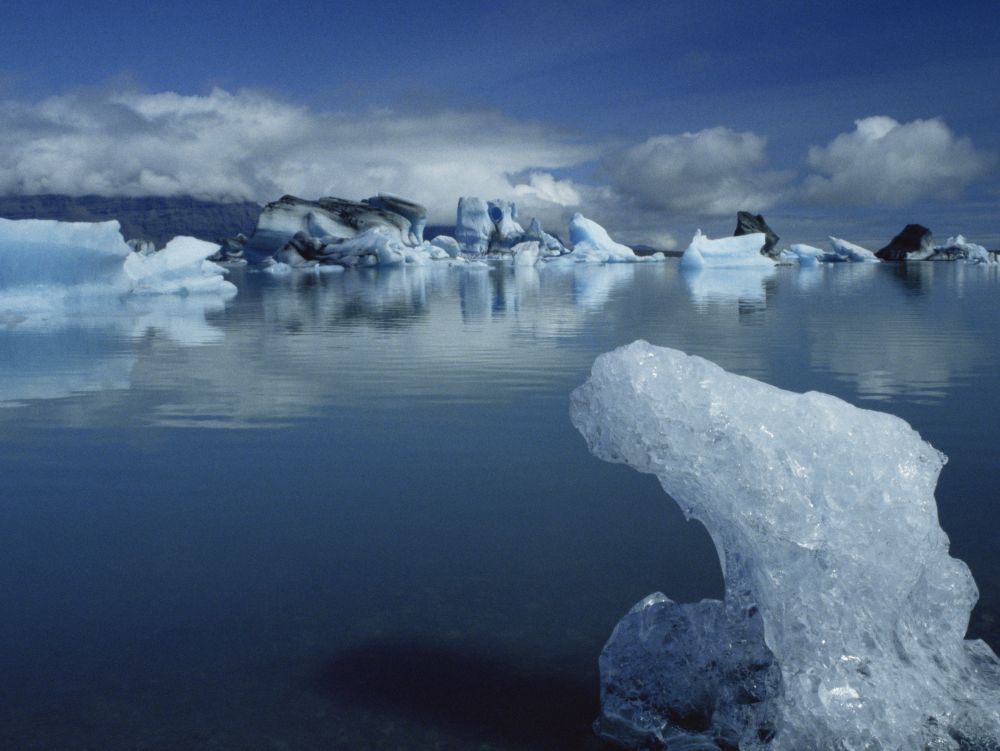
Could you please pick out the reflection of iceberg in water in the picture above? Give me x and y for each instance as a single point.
(745, 285)
(87, 345)
(592, 284)
(56, 364)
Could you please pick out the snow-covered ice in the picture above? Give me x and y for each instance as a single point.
(727, 252)
(844, 617)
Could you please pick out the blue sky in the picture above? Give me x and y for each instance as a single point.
(655, 118)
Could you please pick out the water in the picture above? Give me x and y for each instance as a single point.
(350, 511)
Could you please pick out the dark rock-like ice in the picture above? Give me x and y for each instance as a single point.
(750, 224)
(844, 617)
(914, 242)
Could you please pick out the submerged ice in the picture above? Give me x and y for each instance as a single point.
(844, 617)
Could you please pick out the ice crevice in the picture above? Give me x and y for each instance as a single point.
(844, 618)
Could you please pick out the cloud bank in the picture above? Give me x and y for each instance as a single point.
(715, 171)
(886, 162)
(248, 145)
(252, 145)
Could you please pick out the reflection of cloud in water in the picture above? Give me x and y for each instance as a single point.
(728, 285)
(891, 349)
(286, 347)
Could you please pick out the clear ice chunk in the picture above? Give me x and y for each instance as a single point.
(844, 617)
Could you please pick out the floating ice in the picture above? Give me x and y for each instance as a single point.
(844, 616)
(845, 251)
(808, 255)
(592, 243)
(181, 267)
(726, 252)
(487, 226)
(331, 219)
(960, 248)
(45, 262)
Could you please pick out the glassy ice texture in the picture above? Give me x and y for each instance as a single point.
(844, 617)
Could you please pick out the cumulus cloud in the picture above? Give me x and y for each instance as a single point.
(545, 186)
(712, 172)
(250, 145)
(886, 162)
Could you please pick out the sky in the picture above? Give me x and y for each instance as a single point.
(654, 118)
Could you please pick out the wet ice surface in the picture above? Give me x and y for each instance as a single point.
(351, 512)
(844, 615)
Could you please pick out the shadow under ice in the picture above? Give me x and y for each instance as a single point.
(467, 694)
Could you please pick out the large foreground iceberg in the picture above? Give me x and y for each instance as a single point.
(844, 616)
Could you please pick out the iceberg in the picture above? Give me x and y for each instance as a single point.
(845, 251)
(740, 251)
(45, 262)
(808, 255)
(333, 218)
(844, 617)
(181, 267)
(592, 243)
(473, 227)
(483, 227)
(959, 248)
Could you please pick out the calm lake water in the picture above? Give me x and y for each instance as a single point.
(350, 511)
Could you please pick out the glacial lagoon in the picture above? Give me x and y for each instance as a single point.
(349, 510)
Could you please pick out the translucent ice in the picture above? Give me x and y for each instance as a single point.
(845, 251)
(726, 252)
(844, 616)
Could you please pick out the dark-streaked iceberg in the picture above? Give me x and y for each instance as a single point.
(844, 617)
(329, 220)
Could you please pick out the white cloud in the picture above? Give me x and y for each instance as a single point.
(712, 172)
(249, 145)
(544, 186)
(885, 162)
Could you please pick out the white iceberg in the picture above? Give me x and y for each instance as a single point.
(844, 617)
(45, 262)
(959, 248)
(845, 251)
(181, 267)
(592, 243)
(741, 251)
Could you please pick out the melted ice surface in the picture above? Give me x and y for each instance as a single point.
(836, 569)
